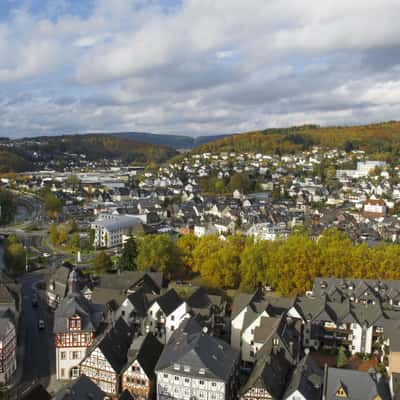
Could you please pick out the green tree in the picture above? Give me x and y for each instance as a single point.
(341, 359)
(54, 239)
(8, 206)
(102, 263)
(127, 260)
(14, 254)
(74, 241)
(53, 204)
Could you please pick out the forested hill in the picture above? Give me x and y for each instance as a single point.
(374, 138)
(33, 153)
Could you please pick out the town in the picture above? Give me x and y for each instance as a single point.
(169, 281)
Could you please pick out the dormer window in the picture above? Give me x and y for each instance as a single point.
(75, 323)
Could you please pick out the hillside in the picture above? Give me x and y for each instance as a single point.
(32, 153)
(12, 162)
(374, 138)
(174, 141)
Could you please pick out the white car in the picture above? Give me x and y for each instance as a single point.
(46, 255)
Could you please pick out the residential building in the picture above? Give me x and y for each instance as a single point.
(194, 364)
(138, 375)
(110, 232)
(107, 358)
(165, 314)
(354, 385)
(76, 321)
(8, 346)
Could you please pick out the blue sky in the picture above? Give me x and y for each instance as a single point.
(195, 67)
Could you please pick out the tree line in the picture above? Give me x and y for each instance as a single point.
(288, 266)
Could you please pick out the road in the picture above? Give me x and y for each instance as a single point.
(39, 345)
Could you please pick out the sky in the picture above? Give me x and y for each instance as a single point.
(196, 67)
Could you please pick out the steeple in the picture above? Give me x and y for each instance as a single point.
(73, 282)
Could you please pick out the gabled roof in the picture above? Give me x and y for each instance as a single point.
(115, 345)
(75, 304)
(191, 347)
(81, 389)
(146, 350)
(169, 301)
(270, 373)
(357, 384)
(307, 378)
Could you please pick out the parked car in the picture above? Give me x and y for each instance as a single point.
(35, 301)
(41, 324)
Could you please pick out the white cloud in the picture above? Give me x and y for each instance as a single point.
(204, 66)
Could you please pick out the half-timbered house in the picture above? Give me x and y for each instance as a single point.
(138, 376)
(76, 321)
(107, 358)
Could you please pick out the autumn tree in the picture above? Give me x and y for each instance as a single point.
(159, 252)
(102, 263)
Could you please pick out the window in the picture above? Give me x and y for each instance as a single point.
(172, 328)
(177, 378)
(176, 366)
(172, 317)
(63, 355)
(213, 384)
(186, 368)
(75, 355)
(201, 382)
(186, 380)
(165, 375)
(202, 371)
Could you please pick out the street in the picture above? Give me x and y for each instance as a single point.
(38, 343)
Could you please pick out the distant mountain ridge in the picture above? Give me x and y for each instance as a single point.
(174, 141)
(59, 151)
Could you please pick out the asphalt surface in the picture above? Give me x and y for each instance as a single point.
(39, 345)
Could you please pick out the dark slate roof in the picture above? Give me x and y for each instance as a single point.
(139, 301)
(307, 378)
(114, 345)
(169, 301)
(81, 389)
(129, 279)
(38, 392)
(75, 304)
(190, 346)
(126, 395)
(357, 384)
(382, 289)
(241, 301)
(319, 309)
(105, 296)
(200, 299)
(287, 332)
(146, 350)
(60, 280)
(270, 373)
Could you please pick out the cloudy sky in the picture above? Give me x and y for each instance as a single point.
(196, 67)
